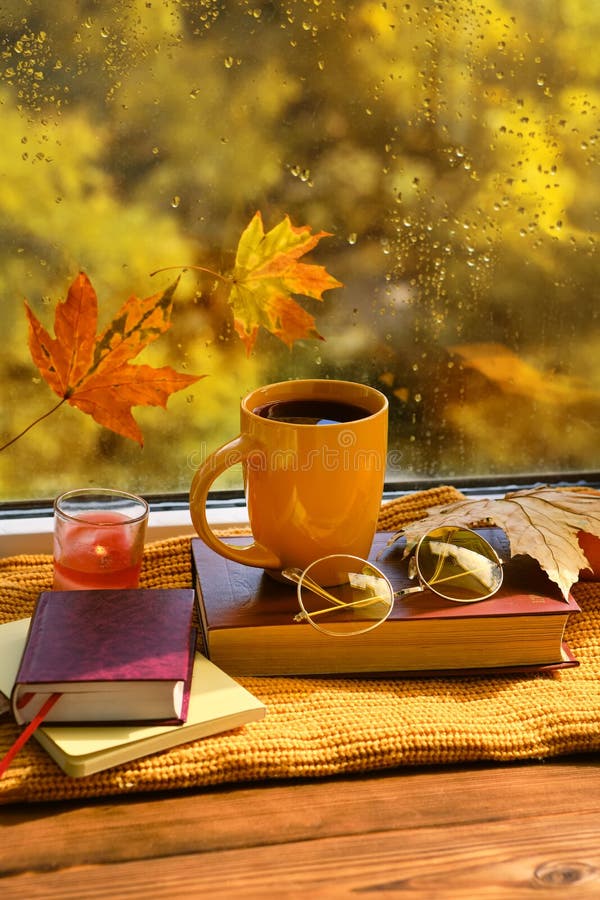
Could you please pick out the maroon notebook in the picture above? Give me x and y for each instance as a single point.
(114, 656)
(248, 628)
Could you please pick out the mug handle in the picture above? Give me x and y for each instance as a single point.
(231, 453)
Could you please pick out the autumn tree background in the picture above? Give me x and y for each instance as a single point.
(451, 148)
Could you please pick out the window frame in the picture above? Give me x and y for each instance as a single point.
(26, 527)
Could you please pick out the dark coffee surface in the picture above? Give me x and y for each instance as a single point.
(311, 412)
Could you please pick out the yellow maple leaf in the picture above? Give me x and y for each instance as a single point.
(267, 273)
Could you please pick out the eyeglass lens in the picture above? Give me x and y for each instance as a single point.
(344, 595)
(458, 564)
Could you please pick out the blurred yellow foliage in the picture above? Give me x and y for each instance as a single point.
(450, 148)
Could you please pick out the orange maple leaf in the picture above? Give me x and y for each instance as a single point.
(93, 373)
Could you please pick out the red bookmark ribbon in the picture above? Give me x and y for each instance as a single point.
(27, 732)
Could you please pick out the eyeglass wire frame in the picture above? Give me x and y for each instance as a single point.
(302, 579)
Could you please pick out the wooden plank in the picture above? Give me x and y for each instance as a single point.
(64, 835)
(510, 859)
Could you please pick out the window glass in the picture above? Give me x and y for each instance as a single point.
(448, 147)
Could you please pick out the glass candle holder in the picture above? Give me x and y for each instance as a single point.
(98, 539)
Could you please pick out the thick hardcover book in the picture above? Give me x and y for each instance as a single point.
(113, 656)
(217, 703)
(248, 628)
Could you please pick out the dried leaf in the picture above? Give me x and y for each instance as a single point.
(267, 273)
(543, 523)
(93, 373)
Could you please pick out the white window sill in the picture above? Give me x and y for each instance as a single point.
(34, 534)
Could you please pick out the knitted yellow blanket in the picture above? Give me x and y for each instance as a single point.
(322, 727)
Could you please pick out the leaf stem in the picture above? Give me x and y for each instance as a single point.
(30, 426)
(195, 268)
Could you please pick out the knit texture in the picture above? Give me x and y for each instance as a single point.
(327, 726)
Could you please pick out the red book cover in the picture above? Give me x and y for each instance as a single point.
(113, 655)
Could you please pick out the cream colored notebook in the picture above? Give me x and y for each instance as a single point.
(217, 703)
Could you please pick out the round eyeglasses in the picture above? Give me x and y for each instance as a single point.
(344, 595)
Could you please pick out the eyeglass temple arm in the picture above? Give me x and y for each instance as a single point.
(296, 574)
(364, 601)
(433, 580)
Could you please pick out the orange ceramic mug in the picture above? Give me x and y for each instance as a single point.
(313, 454)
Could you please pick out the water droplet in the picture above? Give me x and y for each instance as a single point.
(175, 201)
(195, 92)
(352, 238)
(228, 62)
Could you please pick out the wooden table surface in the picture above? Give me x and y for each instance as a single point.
(485, 831)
